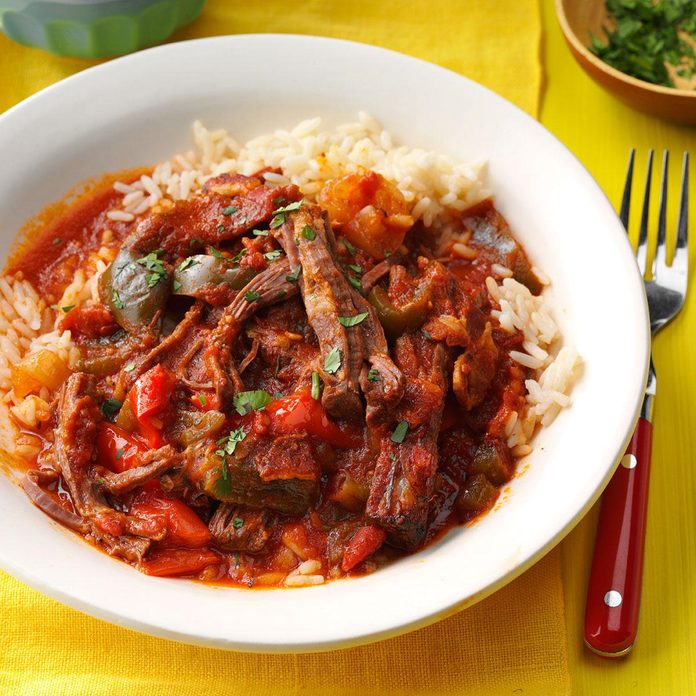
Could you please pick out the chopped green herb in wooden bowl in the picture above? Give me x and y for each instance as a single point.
(642, 51)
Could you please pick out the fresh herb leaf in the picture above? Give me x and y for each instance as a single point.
(289, 208)
(356, 268)
(154, 264)
(308, 233)
(294, 276)
(353, 321)
(251, 296)
(203, 401)
(195, 241)
(392, 456)
(187, 263)
(116, 299)
(220, 229)
(349, 247)
(316, 386)
(237, 522)
(229, 443)
(248, 401)
(356, 283)
(67, 308)
(373, 376)
(427, 334)
(260, 233)
(214, 252)
(279, 214)
(239, 256)
(176, 285)
(400, 432)
(129, 367)
(120, 452)
(110, 408)
(273, 255)
(229, 210)
(332, 362)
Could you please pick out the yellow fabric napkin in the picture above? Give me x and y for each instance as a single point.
(511, 643)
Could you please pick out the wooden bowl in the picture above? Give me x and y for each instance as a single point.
(580, 18)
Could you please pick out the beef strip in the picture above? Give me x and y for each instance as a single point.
(127, 378)
(269, 286)
(75, 442)
(239, 528)
(404, 475)
(373, 276)
(224, 210)
(327, 295)
(150, 464)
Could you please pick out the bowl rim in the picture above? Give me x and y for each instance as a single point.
(43, 583)
(582, 48)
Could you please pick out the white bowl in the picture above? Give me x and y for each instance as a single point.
(138, 110)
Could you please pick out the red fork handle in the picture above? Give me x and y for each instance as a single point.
(613, 595)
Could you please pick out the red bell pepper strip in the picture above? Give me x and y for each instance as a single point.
(363, 544)
(301, 413)
(179, 562)
(184, 527)
(117, 448)
(148, 398)
(150, 394)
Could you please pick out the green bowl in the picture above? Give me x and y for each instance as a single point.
(94, 28)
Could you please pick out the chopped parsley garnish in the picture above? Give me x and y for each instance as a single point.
(220, 229)
(294, 276)
(646, 35)
(203, 401)
(279, 214)
(400, 432)
(332, 362)
(195, 241)
(248, 401)
(349, 247)
(239, 256)
(129, 367)
(427, 334)
(352, 321)
(154, 264)
(67, 308)
(120, 452)
(187, 263)
(229, 210)
(373, 376)
(176, 285)
(116, 299)
(251, 296)
(260, 233)
(57, 241)
(228, 444)
(308, 233)
(316, 386)
(273, 255)
(356, 268)
(237, 522)
(356, 283)
(392, 456)
(214, 252)
(110, 408)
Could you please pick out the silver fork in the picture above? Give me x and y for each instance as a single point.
(613, 596)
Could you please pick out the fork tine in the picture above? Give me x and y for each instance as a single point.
(642, 252)
(683, 223)
(660, 259)
(626, 198)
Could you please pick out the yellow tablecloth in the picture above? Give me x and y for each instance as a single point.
(513, 642)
